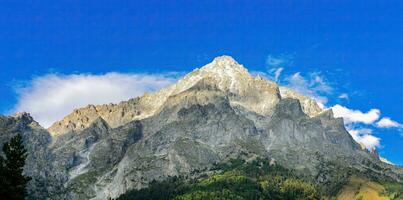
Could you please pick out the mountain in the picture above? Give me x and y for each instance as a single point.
(211, 115)
(39, 162)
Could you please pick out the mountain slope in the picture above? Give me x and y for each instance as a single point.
(235, 179)
(211, 115)
(254, 93)
(39, 163)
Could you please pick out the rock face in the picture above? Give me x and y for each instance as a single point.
(309, 106)
(39, 163)
(212, 114)
(255, 94)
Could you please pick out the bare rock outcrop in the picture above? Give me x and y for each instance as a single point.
(212, 114)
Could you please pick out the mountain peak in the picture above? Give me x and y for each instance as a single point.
(224, 64)
(24, 116)
(255, 94)
(227, 72)
(225, 60)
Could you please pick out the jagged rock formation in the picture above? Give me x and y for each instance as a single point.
(255, 94)
(309, 106)
(214, 113)
(39, 163)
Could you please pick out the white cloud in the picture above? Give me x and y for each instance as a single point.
(319, 84)
(317, 87)
(277, 73)
(344, 96)
(275, 65)
(274, 61)
(386, 122)
(369, 141)
(356, 116)
(49, 98)
(364, 136)
(271, 74)
(280, 60)
(314, 86)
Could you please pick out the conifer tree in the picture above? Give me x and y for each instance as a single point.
(13, 182)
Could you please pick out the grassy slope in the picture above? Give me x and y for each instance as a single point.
(361, 188)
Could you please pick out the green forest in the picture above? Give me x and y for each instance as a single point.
(235, 180)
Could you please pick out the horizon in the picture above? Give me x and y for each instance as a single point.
(345, 55)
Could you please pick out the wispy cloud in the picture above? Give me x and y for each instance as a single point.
(313, 86)
(344, 96)
(316, 86)
(50, 97)
(275, 64)
(279, 60)
(386, 122)
(276, 72)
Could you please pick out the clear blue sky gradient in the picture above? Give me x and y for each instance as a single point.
(358, 45)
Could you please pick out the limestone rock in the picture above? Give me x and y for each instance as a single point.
(309, 106)
(212, 114)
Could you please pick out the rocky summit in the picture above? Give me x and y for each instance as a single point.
(211, 115)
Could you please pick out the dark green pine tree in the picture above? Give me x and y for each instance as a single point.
(3, 183)
(13, 182)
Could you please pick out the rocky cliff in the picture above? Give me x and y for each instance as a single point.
(212, 114)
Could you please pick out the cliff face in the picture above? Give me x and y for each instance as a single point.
(212, 114)
(39, 162)
(253, 93)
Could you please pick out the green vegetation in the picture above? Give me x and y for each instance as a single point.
(359, 188)
(235, 180)
(12, 181)
(393, 190)
(80, 182)
(331, 176)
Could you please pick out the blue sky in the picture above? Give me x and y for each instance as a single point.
(355, 47)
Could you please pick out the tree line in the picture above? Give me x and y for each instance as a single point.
(235, 180)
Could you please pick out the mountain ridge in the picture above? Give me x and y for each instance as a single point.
(212, 114)
(230, 77)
